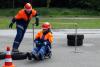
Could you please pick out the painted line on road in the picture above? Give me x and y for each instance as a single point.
(88, 44)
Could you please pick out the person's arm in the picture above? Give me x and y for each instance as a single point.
(13, 20)
(18, 16)
(51, 38)
(11, 24)
(37, 19)
(36, 15)
(37, 37)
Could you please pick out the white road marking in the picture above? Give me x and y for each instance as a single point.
(88, 44)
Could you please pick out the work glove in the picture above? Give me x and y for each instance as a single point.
(11, 25)
(38, 43)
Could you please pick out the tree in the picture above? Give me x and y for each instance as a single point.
(48, 3)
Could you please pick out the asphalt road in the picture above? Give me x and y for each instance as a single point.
(87, 55)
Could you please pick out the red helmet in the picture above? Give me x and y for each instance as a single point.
(28, 7)
(46, 25)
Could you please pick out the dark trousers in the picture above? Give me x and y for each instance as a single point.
(42, 50)
(19, 36)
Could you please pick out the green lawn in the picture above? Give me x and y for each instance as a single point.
(58, 23)
(6, 14)
(54, 12)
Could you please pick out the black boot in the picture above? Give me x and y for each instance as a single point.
(29, 55)
(35, 56)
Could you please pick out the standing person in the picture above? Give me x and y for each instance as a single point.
(22, 20)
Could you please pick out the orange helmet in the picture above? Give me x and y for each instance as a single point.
(28, 7)
(46, 25)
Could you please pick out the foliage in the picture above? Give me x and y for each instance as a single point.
(84, 4)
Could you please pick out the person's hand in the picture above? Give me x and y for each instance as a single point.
(11, 25)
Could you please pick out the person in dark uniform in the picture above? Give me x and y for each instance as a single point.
(22, 20)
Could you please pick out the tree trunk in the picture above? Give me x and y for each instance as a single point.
(48, 3)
